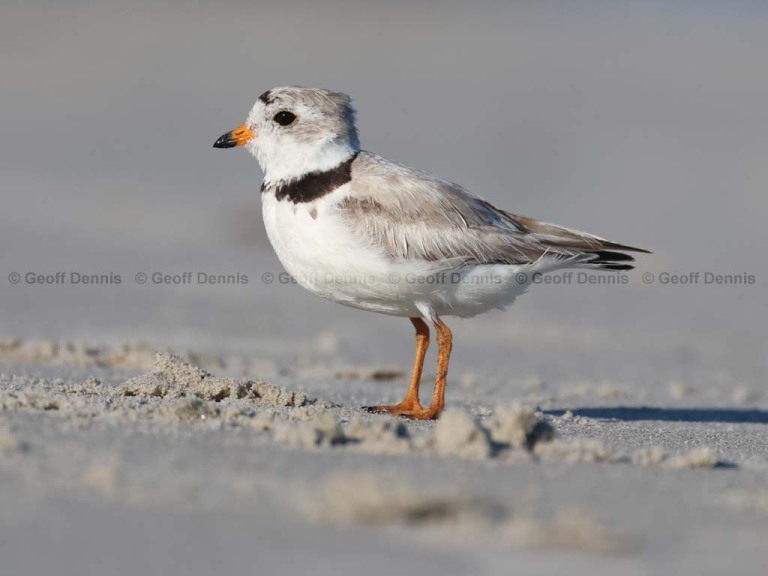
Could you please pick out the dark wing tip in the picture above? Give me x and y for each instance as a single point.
(611, 256)
(610, 260)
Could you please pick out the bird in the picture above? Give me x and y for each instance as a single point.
(374, 234)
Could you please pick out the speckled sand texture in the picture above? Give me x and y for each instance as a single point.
(506, 479)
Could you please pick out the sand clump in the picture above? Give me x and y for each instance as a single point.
(651, 456)
(698, 458)
(512, 425)
(594, 451)
(172, 377)
(458, 434)
(311, 409)
(379, 435)
(324, 430)
(516, 426)
(513, 430)
(173, 391)
(190, 410)
(575, 451)
(263, 420)
(359, 498)
(702, 458)
(36, 396)
(570, 530)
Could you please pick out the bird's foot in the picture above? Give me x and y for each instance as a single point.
(411, 410)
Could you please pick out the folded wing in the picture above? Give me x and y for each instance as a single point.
(412, 215)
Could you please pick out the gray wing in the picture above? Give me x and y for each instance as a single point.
(412, 215)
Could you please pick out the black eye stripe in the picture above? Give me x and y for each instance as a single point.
(285, 118)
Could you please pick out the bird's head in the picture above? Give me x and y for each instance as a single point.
(294, 130)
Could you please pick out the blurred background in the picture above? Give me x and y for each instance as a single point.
(642, 122)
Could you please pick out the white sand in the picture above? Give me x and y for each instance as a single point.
(487, 482)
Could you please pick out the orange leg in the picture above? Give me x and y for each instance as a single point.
(411, 401)
(444, 347)
(410, 406)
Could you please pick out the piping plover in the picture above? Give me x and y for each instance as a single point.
(370, 233)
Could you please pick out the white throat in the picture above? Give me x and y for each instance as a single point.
(291, 163)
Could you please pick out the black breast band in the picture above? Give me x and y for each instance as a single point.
(314, 185)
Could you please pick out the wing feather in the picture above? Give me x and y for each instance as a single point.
(412, 215)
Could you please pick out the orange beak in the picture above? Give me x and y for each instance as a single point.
(237, 137)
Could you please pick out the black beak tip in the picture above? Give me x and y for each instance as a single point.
(225, 141)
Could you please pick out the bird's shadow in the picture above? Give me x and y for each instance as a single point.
(638, 413)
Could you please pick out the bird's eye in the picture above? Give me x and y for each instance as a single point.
(285, 118)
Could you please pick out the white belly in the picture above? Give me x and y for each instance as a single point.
(325, 257)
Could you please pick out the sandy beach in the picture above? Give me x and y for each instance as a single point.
(198, 466)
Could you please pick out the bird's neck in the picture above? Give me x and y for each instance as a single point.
(281, 167)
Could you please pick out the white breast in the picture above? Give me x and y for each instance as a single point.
(324, 256)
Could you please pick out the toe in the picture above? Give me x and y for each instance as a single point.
(409, 411)
(379, 409)
(422, 414)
